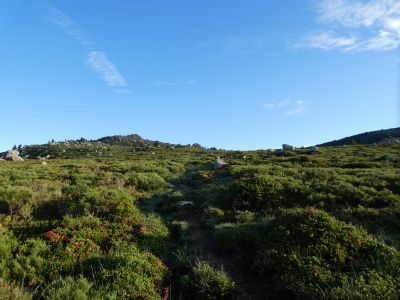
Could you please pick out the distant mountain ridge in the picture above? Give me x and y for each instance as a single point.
(365, 138)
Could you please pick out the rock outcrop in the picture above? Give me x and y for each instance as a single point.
(388, 141)
(288, 147)
(13, 155)
(314, 150)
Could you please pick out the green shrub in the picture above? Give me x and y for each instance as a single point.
(147, 181)
(10, 292)
(70, 288)
(17, 200)
(245, 216)
(313, 253)
(80, 200)
(207, 282)
(252, 193)
(132, 274)
(179, 228)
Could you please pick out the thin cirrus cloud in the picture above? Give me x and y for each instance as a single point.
(69, 26)
(96, 60)
(288, 107)
(99, 62)
(354, 26)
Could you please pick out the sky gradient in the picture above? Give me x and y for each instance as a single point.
(230, 74)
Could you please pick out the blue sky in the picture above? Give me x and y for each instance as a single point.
(230, 74)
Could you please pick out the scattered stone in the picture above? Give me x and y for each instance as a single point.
(185, 203)
(40, 158)
(388, 141)
(389, 158)
(219, 164)
(48, 156)
(288, 147)
(44, 163)
(374, 145)
(1, 159)
(26, 156)
(170, 185)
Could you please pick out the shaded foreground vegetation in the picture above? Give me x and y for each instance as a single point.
(273, 224)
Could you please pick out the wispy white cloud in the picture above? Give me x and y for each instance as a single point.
(358, 26)
(95, 59)
(288, 107)
(174, 83)
(69, 26)
(297, 109)
(99, 62)
(327, 41)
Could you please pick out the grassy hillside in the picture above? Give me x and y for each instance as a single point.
(105, 220)
(366, 138)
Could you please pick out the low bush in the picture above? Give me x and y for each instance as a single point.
(314, 255)
(206, 282)
(179, 228)
(11, 292)
(146, 181)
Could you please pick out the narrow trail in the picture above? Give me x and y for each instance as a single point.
(248, 286)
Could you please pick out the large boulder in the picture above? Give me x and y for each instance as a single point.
(219, 163)
(13, 155)
(314, 150)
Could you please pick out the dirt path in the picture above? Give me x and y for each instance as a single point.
(248, 286)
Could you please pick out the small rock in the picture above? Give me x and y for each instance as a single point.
(170, 185)
(44, 163)
(185, 203)
(48, 156)
(389, 158)
(219, 163)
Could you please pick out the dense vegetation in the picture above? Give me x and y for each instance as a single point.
(366, 137)
(105, 220)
